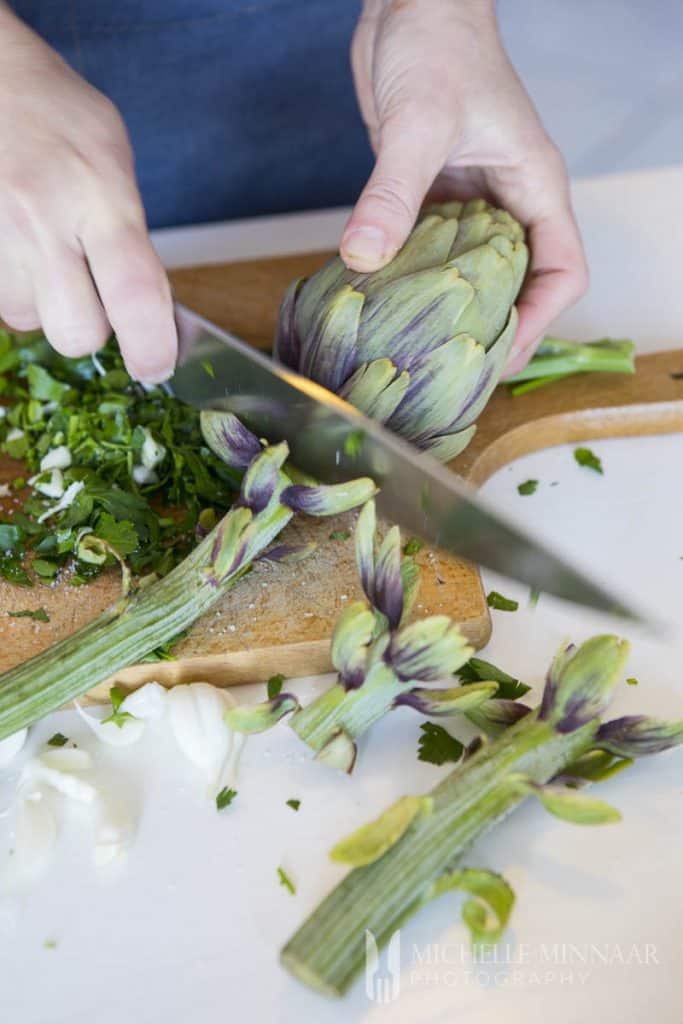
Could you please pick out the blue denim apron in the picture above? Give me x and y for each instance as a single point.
(234, 108)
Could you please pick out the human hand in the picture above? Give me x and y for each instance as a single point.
(76, 258)
(447, 114)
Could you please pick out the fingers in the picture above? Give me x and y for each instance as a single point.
(558, 277)
(136, 297)
(17, 307)
(69, 311)
(412, 150)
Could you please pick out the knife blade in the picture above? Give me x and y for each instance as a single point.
(333, 441)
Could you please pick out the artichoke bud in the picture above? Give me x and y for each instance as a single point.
(454, 701)
(328, 499)
(262, 477)
(421, 343)
(495, 716)
(252, 718)
(428, 650)
(229, 544)
(352, 634)
(228, 438)
(581, 680)
(338, 752)
(637, 735)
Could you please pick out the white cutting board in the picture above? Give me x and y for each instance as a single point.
(189, 931)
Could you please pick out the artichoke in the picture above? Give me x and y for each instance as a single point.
(421, 344)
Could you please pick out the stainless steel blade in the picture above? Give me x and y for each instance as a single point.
(333, 442)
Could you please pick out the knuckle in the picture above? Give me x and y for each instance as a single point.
(393, 196)
(76, 337)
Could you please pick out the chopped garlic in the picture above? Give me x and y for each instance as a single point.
(148, 702)
(152, 452)
(14, 434)
(51, 483)
(11, 745)
(5, 490)
(56, 458)
(109, 732)
(66, 500)
(143, 475)
(114, 832)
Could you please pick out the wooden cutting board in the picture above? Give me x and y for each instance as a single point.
(280, 617)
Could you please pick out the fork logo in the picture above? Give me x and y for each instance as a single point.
(382, 986)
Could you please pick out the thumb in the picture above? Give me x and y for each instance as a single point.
(408, 160)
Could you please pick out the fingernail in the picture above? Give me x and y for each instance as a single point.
(366, 245)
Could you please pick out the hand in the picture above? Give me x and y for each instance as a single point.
(446, 113)
(76, 258)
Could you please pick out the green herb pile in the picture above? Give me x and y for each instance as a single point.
(121, 462)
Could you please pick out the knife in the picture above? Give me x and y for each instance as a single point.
(334, 442)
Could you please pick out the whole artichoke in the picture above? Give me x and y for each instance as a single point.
(421, 344)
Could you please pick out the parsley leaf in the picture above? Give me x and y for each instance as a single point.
(117, 695)
(121, 534)
(286, 881)
(501, 603)
(528, 487)
(632, 681)
(585, 457)
(225, 798)
(412, 546)
(476, 670)
(353, 443)
(274, 685)
(58, 740)
(39, 614)
(437, 746)
(294, 804)
(340, 535)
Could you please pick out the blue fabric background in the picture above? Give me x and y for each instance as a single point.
(234, 108)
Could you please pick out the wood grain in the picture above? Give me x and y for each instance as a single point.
(279, 618)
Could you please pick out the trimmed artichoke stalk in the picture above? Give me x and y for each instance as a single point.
(140, 621)
(421, 344)
(556, 358)
(382, 663)
(409, 855)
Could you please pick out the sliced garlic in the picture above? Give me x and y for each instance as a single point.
(56, 458)
(65, 501)
(62, 778)
(143, 475)
(11, 745)
(49, 483)
(148, 702)
(109, 732)
(35, 832)
(197, 717)
(114, 832)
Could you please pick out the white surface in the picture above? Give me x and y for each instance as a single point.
(189, 931)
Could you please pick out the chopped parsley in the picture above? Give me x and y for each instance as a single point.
(225, 798)
(286, 881)
(58, 740)
(412, 546)
(437, 746)
(274, 685)
(476, 670)
(501, 603)
(38, 614)
(528, 487)
(50, 944)
(340, 535)
(353, 443)
(117, 695)
(134, 468)
(632, 681)
(534, 597)
(294, 804)
(585, 457)
(208, 369)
